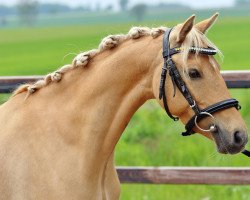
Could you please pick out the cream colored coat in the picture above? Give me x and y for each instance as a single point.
(58, 143)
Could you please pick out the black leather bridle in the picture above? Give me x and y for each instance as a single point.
(169, 67)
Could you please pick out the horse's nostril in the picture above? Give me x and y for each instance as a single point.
(239, 137)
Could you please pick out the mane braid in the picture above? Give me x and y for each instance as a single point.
(194, 38)
(82, 59)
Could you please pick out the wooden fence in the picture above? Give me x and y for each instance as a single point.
(185, 175)
(170, 175)
(234, 79)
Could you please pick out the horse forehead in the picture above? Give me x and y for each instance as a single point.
(202, 61)
(192, 60)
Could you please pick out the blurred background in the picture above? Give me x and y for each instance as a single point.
(37, 37)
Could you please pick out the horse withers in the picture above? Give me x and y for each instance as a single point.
(58, 135)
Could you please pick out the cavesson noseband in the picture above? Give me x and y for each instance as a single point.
(199, 114)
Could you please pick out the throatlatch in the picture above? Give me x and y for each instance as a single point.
(177, 81)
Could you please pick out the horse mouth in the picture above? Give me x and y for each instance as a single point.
(226, 145)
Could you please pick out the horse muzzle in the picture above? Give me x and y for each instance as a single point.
(229, 142)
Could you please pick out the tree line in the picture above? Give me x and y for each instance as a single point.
(28, 10)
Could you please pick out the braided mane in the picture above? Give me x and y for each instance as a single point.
(81, 60)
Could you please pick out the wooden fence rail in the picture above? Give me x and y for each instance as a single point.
(169, 175)
(185, 175)
(234, 79)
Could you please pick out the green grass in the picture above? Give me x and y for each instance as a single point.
(40, 50)
(151, 138)
(181, 192)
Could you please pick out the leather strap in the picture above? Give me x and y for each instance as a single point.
(175, 50)
(246, 153)
(175, 76)
(179, 82)
(162, 94)
(229, 103)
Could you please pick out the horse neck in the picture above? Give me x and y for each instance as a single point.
(100, 99)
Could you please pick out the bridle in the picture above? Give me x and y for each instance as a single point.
(199, 114)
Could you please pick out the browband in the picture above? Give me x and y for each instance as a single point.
(206, 51)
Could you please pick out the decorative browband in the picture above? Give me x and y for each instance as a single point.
(207, 51)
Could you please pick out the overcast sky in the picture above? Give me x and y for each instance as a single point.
(93, 3)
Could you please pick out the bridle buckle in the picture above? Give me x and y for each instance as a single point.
(193, 105)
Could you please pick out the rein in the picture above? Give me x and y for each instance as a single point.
(177, 81)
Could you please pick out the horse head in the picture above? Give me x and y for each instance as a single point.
(189, 66)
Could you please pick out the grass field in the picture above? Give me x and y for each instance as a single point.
(151, 138)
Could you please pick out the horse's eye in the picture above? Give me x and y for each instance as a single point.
(194, 73)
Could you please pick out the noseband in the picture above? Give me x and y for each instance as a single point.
(199, 114)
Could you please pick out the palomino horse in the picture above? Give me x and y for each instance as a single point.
(58, 135)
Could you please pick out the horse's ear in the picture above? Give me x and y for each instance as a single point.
(185, 29)
(204, 26)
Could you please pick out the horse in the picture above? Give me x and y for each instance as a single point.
(58, 135)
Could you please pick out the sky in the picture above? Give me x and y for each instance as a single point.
(93, 3)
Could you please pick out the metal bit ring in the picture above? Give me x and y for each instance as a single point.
(211, 128)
